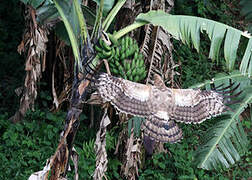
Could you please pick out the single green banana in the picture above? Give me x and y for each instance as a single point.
(124, 76)
(120, 68)
(117, 52)
(141, 63)
(128, 73)
(140, 70)
(107, 54)
(127, 52)
(115, 71)
(137, 63)
(131, 51)
(124, 64)
(133, 63)
(113, 52)
(131, 41)
(105, 46)
(126, 42)
(131, 78)
(143, 75)
(100, 42)
(123, 56)
(135, 55)
(100, 55)
(112, 65)
(117, 63)
(136, 78)
(98, 49)
(127, 66)
(134, 72)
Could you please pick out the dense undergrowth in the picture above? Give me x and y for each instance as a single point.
(25, 146)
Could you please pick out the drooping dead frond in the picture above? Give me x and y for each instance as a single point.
(59, 161)
(157, 48)
(54, 93)
(133, 157)
(66, 85)
(75, 159)
(34, 44)
(100, 148)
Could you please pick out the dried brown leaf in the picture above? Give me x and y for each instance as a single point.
(100, 148)
(75, 159)
(55, 97)
(157, 47)
(21, 48)
(83, 85)
(133, 157)
(34, 40)
(59, 161)
(64, 94)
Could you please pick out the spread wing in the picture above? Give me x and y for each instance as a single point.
(128, 97)
(195, 106)
(161, 106)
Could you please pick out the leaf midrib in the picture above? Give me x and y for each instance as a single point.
(228, 126)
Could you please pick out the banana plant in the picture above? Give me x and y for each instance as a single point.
(226, 141)
(70, 12)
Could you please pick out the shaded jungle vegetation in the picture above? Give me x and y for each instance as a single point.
(25, 146)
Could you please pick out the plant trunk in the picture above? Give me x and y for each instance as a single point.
(60, 160)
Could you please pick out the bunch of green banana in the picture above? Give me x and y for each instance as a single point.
(104, 51)
(127, 62)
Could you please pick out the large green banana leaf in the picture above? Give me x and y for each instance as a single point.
(71, 14)
(225, 142)
(188, 29)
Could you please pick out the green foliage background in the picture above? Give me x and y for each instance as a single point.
(24, 147)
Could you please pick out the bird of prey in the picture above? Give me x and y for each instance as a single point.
(159, 105)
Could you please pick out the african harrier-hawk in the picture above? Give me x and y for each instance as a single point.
(161, 106)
